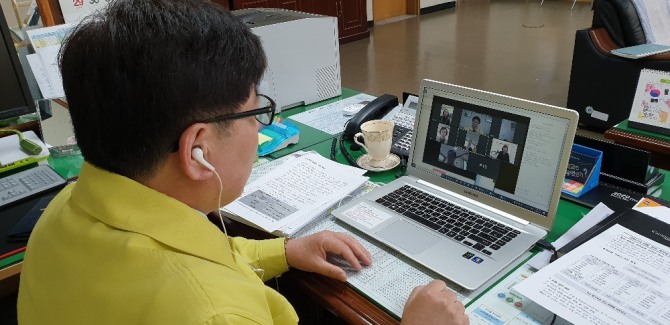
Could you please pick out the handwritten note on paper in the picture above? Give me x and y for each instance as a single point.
(619, 277)
(299, 188)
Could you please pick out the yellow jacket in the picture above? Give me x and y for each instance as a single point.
(109, 250)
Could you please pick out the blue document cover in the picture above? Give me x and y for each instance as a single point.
(640, 51)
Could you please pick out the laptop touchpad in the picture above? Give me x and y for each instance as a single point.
(408, 236)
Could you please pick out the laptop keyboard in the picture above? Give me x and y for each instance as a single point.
(462, 225)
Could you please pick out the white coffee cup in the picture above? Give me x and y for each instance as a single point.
(377, 135)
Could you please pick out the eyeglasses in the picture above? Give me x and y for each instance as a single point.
(264, 115)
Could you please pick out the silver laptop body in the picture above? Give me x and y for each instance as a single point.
(513, 192)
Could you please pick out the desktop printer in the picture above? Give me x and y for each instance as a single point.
(303, 55)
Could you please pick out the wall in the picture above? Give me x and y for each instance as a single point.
(11, 20)
(9, 12)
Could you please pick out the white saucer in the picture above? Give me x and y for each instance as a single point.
(391, 161)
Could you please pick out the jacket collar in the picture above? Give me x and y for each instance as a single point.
(123, 203)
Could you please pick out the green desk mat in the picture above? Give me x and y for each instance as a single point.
(68, 166)
(623, 126)
(308, 135)
(11, 260)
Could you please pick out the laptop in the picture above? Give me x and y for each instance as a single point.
(478, 197)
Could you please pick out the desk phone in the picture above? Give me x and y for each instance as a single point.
(404, 127)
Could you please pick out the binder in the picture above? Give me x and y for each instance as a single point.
(641, 51)
(634, 220)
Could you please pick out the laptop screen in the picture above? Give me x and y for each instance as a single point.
(505, 148)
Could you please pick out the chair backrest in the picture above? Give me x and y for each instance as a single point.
(620, 19)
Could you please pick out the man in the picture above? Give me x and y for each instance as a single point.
(163, 103)
(475, 125)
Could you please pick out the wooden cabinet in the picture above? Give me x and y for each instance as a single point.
(224, 3)
(351, 15)
(352, 19)
(243, 4)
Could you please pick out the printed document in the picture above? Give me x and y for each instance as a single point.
(47, 42)
(330, 118)
(503, 305)
(297, 190)
(618, 277)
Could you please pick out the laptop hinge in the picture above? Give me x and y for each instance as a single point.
(471, 201)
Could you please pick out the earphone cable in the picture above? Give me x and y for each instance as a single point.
(225, 231)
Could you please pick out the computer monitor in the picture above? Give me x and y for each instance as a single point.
(15, 97)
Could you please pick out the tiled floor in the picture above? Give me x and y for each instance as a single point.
(514, 47)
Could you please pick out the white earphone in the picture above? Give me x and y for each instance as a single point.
(199, 156)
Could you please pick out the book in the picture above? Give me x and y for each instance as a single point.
(651, 104)
(641, 51)
(284, 195)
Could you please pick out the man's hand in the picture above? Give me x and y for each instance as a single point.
(309, 253)
(434, 303)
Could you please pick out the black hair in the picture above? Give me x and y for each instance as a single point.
(137, 74)
(451, 156)
(476, 118)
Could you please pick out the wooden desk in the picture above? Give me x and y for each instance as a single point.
(657, 144)
(311, 293)
(319, 292)
(315, 293)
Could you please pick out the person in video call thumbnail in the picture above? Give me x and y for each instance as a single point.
(445, 118)
(475, 125)
(443, 136)
(503, 154)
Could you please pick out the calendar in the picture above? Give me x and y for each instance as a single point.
(75, 10)
(651, 105)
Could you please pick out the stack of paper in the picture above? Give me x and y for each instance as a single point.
(289, 196)
(619, 276)
(44, 62)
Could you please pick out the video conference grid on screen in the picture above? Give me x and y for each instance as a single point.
(483, 146)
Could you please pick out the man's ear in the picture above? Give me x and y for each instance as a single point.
(195, 136)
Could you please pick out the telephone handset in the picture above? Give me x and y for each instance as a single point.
(374, 110)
